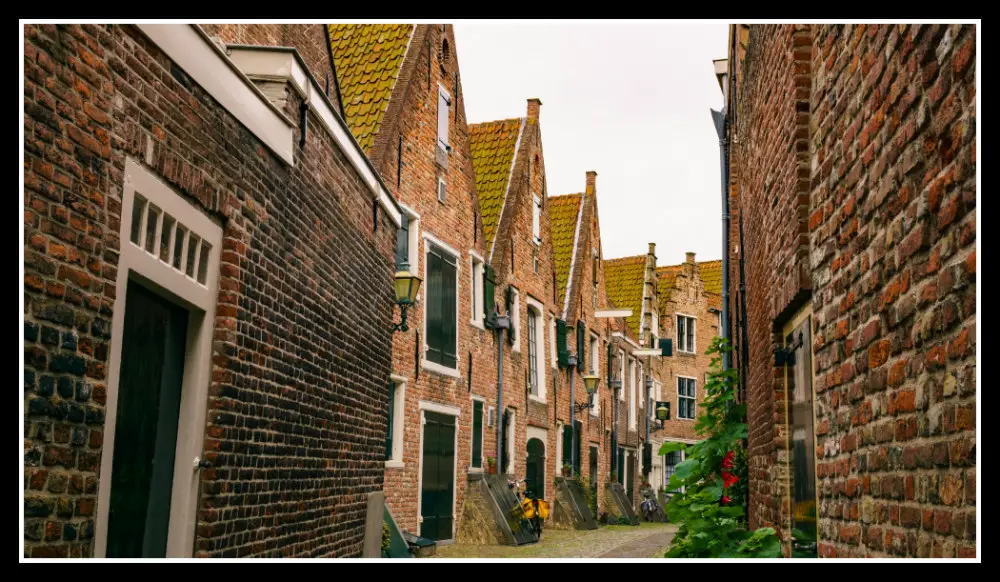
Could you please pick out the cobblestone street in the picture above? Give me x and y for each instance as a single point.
(648, 540)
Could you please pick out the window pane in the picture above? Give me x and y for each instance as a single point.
(191, 250)
(179, 246)
(203, 262)
(477, 434)
(138, 211)
(152, 220)
(168, 229)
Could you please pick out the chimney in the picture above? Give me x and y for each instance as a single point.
(689, 265)
(690, 258)
(591, 182)
(652, 249)
(533, 106)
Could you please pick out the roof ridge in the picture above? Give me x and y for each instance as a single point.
(481, 123)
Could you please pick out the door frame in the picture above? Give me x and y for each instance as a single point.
(423, 406)
(137, 266)
(542, 434)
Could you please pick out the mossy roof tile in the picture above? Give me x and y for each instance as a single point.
(564, 212)
(624, 280)
(367, 59)
(493, 145)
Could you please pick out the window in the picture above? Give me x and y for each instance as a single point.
(631, 396)
(552, 341)
(673, 459)
(799, 395)
(476, 288)
(477, 434)
(534, 261)
(440, 305)
(394, 436)
(685, 397)
(685, 334)
(444, 108)
(442, 191)
(642, 387)
(536, 215)
(408, 241)
(595, 296)
(532, 352)
(595, 368)
(514, 309)
(621, 376)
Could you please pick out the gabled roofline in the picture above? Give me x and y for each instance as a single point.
(572, 262)
(506, 192)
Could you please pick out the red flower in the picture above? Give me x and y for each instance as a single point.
(727, 461)
(728, 479)
(725, 500)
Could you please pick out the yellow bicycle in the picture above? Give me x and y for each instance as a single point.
(536, 510)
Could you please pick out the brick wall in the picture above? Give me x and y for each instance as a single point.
(296, 418)
(887, 211)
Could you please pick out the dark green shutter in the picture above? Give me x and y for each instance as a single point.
(477, 434)
(489, 300)
(511, 333)
(581, 347)
(434, 304)
(449, 324)
(567, 438)
(561, 348)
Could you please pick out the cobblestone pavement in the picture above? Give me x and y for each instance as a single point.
(648, 540)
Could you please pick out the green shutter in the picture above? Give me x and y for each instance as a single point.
(562, 350)
(433, 306)
(477, 434)
(581, 347)
(567, 451)
(511, 332)
(449, 311)
(489, 290)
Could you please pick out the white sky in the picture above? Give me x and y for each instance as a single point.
(628, 100)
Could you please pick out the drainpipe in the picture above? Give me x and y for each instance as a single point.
(501, 323)
(720, 118)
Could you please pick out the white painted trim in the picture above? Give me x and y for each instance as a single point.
(540, 343)
(424, 362)
(612, 313)
(677, 337)
(478, 297)
(647, 352)
(511, 438)
(281, 63)
(572, 262)
(510, 176)
(208, 66)
(536, 432)
(140, 267)
(422, 406)
(399, 420)
(626, 339)
(677, 390)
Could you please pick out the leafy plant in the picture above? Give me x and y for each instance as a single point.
(385, 540)
(713, 476)
(589, 493)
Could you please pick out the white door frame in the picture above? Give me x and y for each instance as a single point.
(137, 265)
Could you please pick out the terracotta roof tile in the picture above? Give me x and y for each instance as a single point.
(564, 211)
(493, 146)
(711, 275)
(624, 280)
(367, 59)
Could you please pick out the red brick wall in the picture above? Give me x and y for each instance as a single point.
(888, 215)
(319, 296)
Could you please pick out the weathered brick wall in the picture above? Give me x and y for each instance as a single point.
(893, 239)
(884, 119)
(772, 145)
(414, 119)
(296, 418)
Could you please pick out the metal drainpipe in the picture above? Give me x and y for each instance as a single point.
(500, 325)
(572, 412)
(721, 123)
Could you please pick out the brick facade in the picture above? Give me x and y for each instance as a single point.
(296, 411)
(854, 169)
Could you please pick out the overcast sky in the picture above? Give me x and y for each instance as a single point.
(629, 100)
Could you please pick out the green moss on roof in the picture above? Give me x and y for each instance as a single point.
(493, 146)
(624, 280)
(665, 279)
(563, 214)
(367, 59)
(711, 275)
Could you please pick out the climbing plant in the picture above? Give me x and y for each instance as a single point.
(711, 481)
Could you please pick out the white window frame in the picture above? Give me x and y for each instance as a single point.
(694, 398)
(440, 183)
(476, 267)
(559, 447)
(426, 364)
(510, 438)
(482, 430)
(621, 376)
(632, 417)
(135, 264)
(515, 318)
(553, 356)
(413, 241)
(539, 310)
(398, 423)
(694, 336)
(595, 367)
(444, 144)
(642, 386)
(536, 220)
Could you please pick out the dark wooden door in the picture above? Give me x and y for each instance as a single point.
(534, 472)
(630, 476)
(438, 476)
(149, 395)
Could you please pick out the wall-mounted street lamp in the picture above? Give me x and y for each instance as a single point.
(662, 413)
(590, 383)
(406, 285)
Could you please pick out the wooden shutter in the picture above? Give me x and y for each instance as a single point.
(581, 347)
(489, 291)
(477, 434)
(434, 306)
(567, 438)
(512, 332)
(449, 323)
(562, 349)
(444, 103)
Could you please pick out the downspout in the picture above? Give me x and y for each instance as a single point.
(501, 323)
(721, 125)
